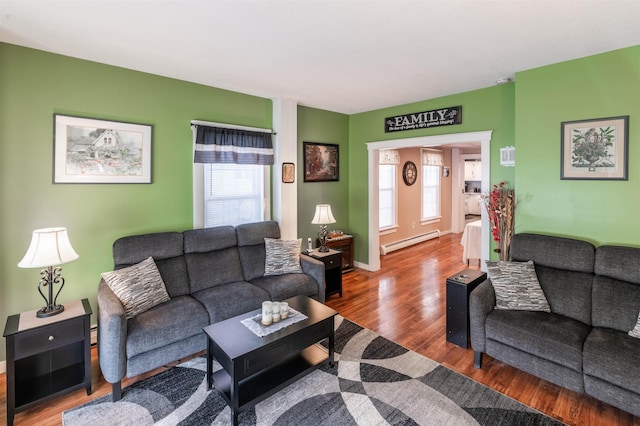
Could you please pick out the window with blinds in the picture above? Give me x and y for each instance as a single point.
(235, 194)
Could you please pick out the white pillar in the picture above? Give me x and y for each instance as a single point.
(285, 195)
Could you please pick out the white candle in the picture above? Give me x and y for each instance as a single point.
(267, 313)
(276, 312)
(284, 310)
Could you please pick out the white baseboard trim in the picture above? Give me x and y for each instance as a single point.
(3, 367)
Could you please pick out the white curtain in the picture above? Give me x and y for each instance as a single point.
(389, 156)
(431, 157)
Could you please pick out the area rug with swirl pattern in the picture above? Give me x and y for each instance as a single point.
(374, 382)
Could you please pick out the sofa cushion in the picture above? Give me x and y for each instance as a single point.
(282, 256)
(209, 239)
(516, 286)
(282, 287)
(213, 268)
(139, 287)
(251, 234)
(613, 356)
(251, 246)
(549, 336)
(212, 257)
(174, 321)
(568, 292)
(621, 263)
(166, 248)
(615, 303)
(553, 252)
(228, 300)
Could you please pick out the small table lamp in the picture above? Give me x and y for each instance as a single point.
(323, 217)
(49, 247)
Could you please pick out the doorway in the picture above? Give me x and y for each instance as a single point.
(453, 140)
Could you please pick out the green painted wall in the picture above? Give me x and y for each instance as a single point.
(33, 86)
(485, 109)
(603, 212)
(315, 125)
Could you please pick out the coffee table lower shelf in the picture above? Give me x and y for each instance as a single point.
(265, 383)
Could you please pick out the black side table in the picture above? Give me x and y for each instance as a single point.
(459, 286)
(47, 357)
(332, 260)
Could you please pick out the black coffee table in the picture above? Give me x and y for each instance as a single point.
(253, 367)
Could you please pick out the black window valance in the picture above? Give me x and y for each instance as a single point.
(222, 145)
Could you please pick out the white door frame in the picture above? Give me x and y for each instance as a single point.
(484, 137)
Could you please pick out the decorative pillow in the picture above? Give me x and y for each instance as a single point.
(139, 287)
(517, 286)
(282, 256)
(636, 330)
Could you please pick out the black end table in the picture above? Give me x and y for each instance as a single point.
(332, 260)
(47, 357)
(459, 286)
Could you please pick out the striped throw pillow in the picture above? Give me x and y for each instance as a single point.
(636, 330)
(139, 287)
(517, 287)
(282, 256)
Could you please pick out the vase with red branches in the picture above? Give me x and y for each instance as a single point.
(501, 205)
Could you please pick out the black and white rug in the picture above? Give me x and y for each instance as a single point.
(374, 382)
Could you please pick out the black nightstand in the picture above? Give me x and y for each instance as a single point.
(459, 286)
(332, 270)
(47, 357)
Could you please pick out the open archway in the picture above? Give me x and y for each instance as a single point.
(484, 138)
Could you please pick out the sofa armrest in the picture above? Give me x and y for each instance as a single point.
(481, 302)
(315, 268)
(112, 334)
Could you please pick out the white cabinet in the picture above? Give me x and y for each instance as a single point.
(472, 204)
(472, 170)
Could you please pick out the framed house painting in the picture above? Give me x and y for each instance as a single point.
(88, 150)
(595, 149)
(321, 162)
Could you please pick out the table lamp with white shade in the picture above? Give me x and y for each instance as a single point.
(49, 248)
(323, 217)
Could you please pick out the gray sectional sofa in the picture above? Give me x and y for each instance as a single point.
(583, 343)
(210, 275)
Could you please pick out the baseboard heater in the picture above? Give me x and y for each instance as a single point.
(397, 245)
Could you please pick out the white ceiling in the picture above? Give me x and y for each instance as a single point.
(346, 56)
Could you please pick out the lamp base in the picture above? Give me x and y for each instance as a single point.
(49, 311)
(323, 249)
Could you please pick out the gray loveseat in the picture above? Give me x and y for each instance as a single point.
(583, 343)
(210, 274)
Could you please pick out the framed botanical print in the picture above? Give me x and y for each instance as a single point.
(595, 149)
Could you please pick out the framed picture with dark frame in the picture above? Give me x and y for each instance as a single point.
(595, 149)
(89, 150)
(321, 162)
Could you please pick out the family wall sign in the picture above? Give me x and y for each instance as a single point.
(422, 120)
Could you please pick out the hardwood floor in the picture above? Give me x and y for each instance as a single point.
(404, 302)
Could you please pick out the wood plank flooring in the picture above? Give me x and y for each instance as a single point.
(404, 302)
